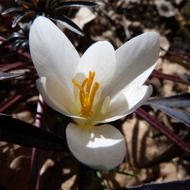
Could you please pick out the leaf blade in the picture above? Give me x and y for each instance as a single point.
(178, 101)
(19, 132)
(181, 184)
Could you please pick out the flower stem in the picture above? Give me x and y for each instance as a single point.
(103, 182)
(163, 129)
(36, 157)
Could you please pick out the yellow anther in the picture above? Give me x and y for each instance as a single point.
(93, 92)
(87, 92)
(76, 84)
(90, 80)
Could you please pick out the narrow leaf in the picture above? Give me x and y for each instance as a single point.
(18, 18)
(5, 76)
(183, 185)
(185, 78)
(178, 101)
(12, 10)
(75, 4)
(179, 115)
(66, 22)
(163, 129)
(25, 134)
(24, 3)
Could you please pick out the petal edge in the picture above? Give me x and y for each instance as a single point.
(101, 147)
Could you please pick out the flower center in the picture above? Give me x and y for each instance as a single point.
(87, 92)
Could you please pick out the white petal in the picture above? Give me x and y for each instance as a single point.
(101, 147)
(127, 102)
(137, 96)
(53, 94)
(136, 57)
(100, 58)
(52, 52)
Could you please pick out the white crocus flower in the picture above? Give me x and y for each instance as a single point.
(101, 86)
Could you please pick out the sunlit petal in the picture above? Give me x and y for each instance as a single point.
(100, 147)
(100, 58)
(136, 57)
(126, 102)
(52, 52)
(53, 94)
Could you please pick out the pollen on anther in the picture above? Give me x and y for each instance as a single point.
(87, 93)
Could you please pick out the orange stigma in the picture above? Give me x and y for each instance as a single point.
(87, 92)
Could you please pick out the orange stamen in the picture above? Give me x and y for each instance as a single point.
(87, 92)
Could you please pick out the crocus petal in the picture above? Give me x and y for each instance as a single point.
(127, 102)
(53, 94)
(134, 58)
(100, 58)
(100, 147)
(52, 52)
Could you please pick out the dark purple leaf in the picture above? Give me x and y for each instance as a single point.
(179, 115)
(74, 4)
(15, 35)
(154, 122)
(53, 3)
(174, 78)
(12, 10)
(5, 76)
(178, 101)
(178, 185)
(25, 134)
(19, 44)
(23, 2)
(18, 18)
(185, 78)
(66, 22)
